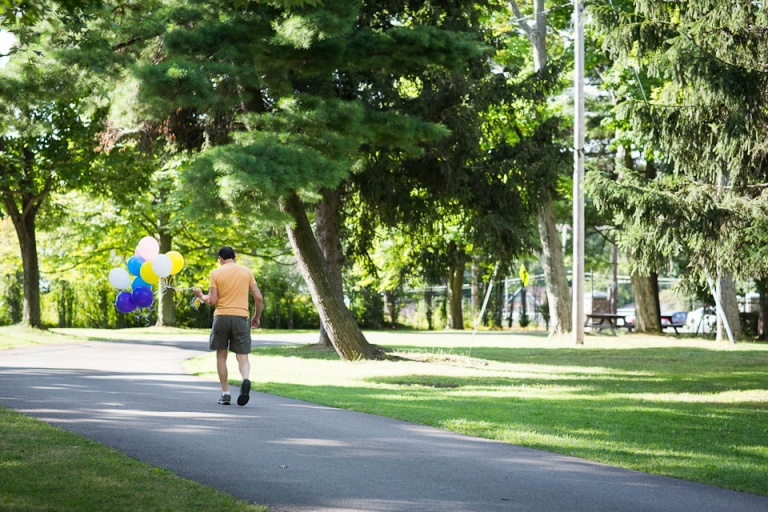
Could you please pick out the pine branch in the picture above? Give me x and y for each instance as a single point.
(132, 41)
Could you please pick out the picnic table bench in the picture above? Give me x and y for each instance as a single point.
(669, 323)
(600, 321)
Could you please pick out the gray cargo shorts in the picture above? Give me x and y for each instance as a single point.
(231, 333)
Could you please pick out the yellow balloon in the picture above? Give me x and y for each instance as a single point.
(177, 260)
(147, 274)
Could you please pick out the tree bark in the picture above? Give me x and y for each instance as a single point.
(726, 290)
(327, 227)
(646, 308)
(24, 223)
(762, 322)
(166, 308)
(391, 306)
(555, 277)
(339, 323)
(614, 295)
(475, 289)
(456, 283)
(428, 296)
(498, 309)
(645, 288)
(551, 256)
(726, 294)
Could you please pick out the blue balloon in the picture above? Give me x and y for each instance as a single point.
(134, 265)
(124, 302)
(139, 283)
(143, 297)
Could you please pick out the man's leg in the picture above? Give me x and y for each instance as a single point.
(245, 365)
(245, 370)
(221, 369)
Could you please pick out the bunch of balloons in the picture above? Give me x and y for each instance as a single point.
(148, 267)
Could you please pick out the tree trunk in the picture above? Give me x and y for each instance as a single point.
(762, 322)
(614, 295)
(327, 227)
(391, 306)
(646, 308)
(551, 257)
(645, 288)
(475, 289)
(726, 293)
(24, 223)
(556, 279)
(13, 296)
(31, 315)
(428, 303)
(538, 35)
(498, 309)
(166, 308)
(339, 323)
(444, 308)
(456, 283)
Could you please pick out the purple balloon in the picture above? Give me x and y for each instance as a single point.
(124, 303)
(143, 297)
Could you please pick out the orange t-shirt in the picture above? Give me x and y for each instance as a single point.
(233, 283)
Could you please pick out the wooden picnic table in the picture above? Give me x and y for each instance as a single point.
(610, 321)
(668, 318)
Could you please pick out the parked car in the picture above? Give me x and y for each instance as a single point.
(629, 312)
(702, 320)
(678, 318)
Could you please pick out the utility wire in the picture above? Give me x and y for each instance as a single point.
(532, 16)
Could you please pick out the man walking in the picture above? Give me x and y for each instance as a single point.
(228, 291)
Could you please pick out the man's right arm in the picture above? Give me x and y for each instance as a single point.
(212, 297)
(258, 303)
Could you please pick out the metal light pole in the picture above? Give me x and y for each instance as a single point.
(578, 176)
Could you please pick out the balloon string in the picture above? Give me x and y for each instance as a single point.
(143, 314)
(165, 285)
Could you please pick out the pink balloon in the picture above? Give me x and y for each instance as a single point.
(148, 248)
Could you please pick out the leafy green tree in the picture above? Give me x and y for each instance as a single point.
(618, 147)
(470, 191)
(270, 74)
(707, 116)
(48, 133)
(32, 11)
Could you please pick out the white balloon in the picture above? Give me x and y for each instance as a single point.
(119, 278)
(162, 265)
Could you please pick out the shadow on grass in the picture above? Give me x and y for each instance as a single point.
(687, 412)
(707, 442)
(635, 370)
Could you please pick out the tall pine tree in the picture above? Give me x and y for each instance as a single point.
(266, 77)
(707, 119)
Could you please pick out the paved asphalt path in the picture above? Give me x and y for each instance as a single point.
(296, 456)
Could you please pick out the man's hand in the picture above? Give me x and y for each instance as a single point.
(255, 322)
(197, 292)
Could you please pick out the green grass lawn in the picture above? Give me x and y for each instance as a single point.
(681, 407)
(46, 468)
(687, 408)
